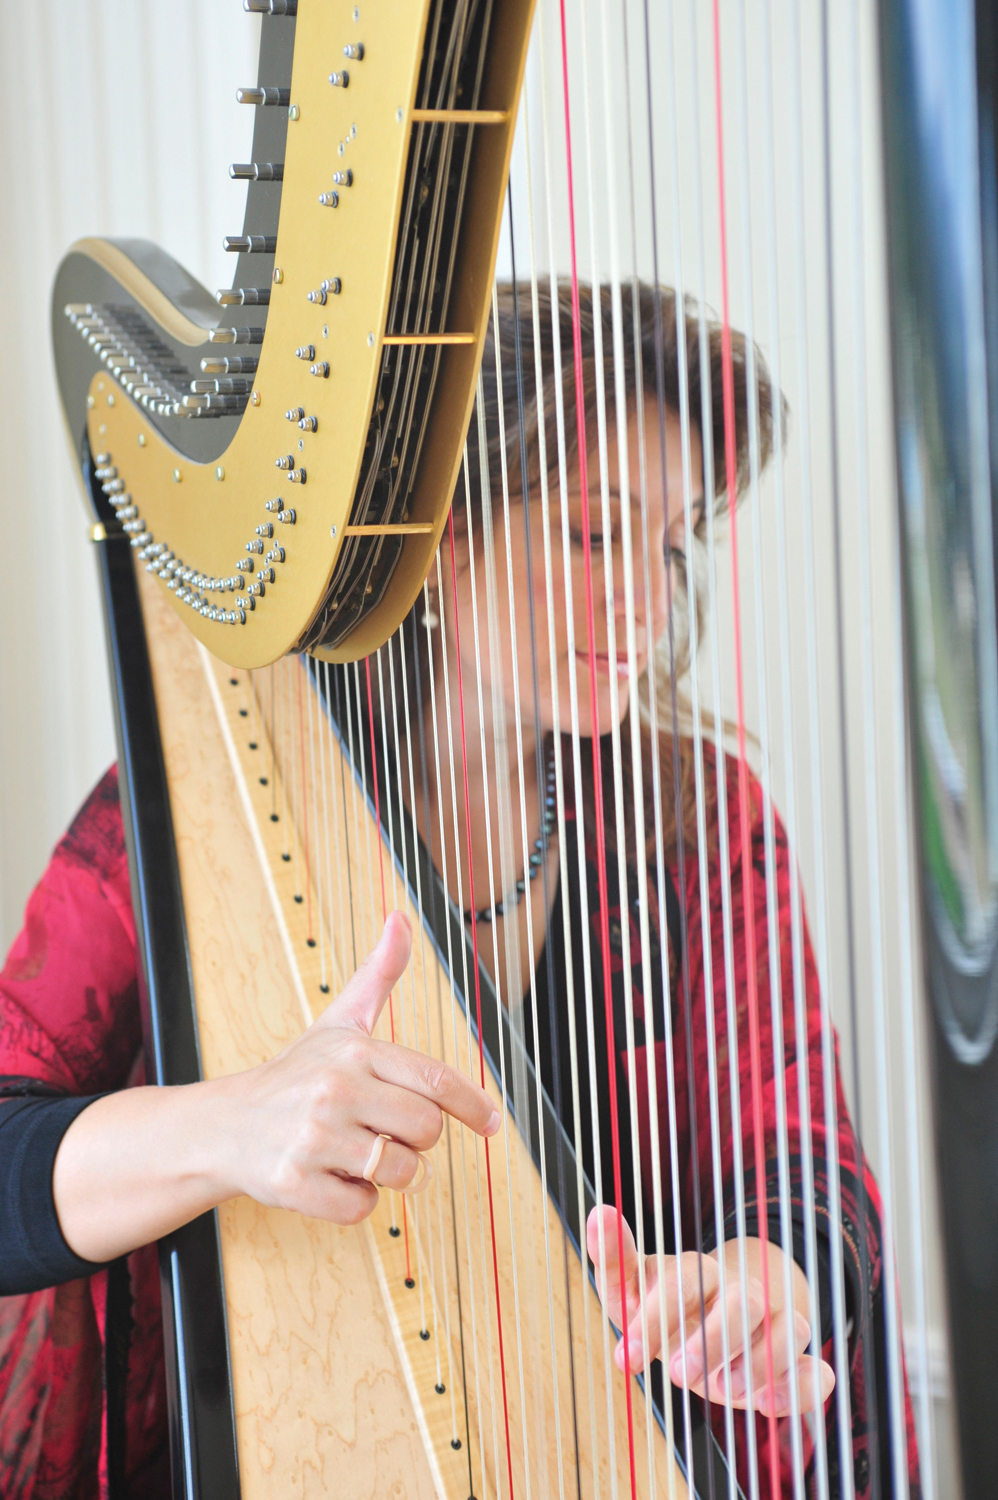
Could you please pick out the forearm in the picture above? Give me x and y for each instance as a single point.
(140, 1163)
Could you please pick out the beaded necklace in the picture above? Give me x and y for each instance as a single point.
(549, 821)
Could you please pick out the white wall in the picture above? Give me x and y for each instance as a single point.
(116, 118)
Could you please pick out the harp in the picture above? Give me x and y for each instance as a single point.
(661, 837)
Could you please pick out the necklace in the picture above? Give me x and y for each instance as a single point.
(549, 821)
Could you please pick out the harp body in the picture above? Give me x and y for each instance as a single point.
(295, 517)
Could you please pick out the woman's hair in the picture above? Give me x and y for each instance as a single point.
(519, 408)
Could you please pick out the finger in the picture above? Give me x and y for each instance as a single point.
(644, 1330)
(362, 999)
(705, 1344)
(450, 1090)
(407, 1117)
(758, 1357)
(329, 1196)
(614, 1277)
(396, 1166)
(781, 1403)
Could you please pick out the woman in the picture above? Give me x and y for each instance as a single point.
(527, 622)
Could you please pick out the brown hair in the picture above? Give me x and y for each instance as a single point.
(655, 341)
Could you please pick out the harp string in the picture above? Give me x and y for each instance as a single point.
(609, 580)
(820, 907)
(601, 859)
(581, 873)
(419, 899)
(845, 791)
(539, 771)
(802, 1044)
(303, 672)
(477, 978)
(302, 825)
(437, 1186)
(322, 729)
(559, 770)
(508, 866)
(501, 777)
(772, 899)
(466, 991)
(659, 806)
(342, 868)
(372, 797)
(525, 850)
(731, 468)
(895, 1389)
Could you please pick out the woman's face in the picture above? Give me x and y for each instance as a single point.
(519, 581)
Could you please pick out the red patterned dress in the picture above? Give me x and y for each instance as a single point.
(69, 1025)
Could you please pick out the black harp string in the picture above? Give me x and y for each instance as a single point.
(437, 918)
(866, 1337)
(539, 763)
(677, 781)
(337, 681)
(414, 884)
(398, 852)
(466, 988)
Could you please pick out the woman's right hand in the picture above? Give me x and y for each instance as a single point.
(307, 1121)
(296, 1132)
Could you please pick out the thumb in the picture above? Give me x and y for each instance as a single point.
(360, 1002)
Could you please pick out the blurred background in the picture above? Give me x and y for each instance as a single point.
(117, 119)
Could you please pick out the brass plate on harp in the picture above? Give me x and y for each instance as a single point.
(206, 513)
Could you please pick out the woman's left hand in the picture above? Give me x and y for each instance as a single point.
(682, 1280)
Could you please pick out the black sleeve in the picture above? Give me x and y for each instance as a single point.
(33, 1252)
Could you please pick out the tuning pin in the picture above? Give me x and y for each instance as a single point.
(297, 476)
(236, 336)
(354, 50)
(343, 179)
(232, 364)
(264, 96)
(273, 505)
(243, 296)
(257, 171)
(321, 368)
(330, 200)
(265, 528)
(332, 284)
(317, 296)
(340, 80)
(284, 462)
(308, 424)
(222, 387)
(251, 244)
(305, 351)
(295, 414)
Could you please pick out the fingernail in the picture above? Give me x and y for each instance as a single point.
(736, 1383)
(618, 1355)
(694, 1364)
(495, 1120)
(635, 1354)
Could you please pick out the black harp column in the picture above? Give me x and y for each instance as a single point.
(938, 70)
